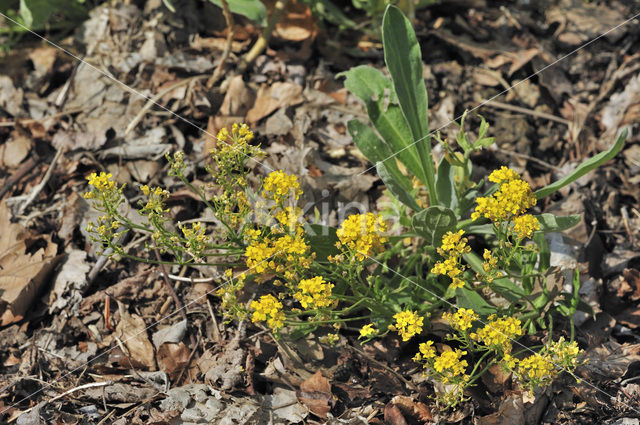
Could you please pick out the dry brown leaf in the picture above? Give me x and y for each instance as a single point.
(393, 415)
(172, 358)
(132, 331)
(297, 23)
(409, 406)
(21, 274)
(273, 96)
(13, 152)
(315, 393)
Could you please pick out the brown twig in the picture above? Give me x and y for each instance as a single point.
(167, 283)
(154, 100)
(385, 367)
(500, 105)
(261, 43)
(19, 174)
(36, 190)
(228, 17)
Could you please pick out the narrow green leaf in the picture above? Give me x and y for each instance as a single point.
(322, 240)
(252, 9)
(584, 168)
(378, 95)
(467, 298)
(445, 185)
(395, 184)
(551, 223)
(376, 151)
(404, 60)
(432, 223)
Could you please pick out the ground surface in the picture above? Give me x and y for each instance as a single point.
(60, 121)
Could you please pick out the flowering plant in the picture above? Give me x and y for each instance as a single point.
(471, 253)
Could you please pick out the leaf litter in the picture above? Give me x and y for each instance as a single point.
(55, 317)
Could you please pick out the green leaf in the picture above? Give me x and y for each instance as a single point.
(544, 254)
(252, 9)
(404, 60)
(467, 298)
(322, 240)
(551, 223)
(584, 168)
(433, 222)
(378, 95)
(169, 5)
(393, 180)
(445, 185)
(376, 151)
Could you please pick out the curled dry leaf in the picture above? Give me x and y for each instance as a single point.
(132, 331)
(315, 393)
(22, 274)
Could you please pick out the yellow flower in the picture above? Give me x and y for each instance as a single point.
(537, 367)
(499, 333)
(449, 365)
(363, 234)
(268, 309)
(425, 351)
(101, 182)
(525, 225)
(502, 175)
(368, 331)
(408, 324)
(512, 199)
(462, 319)
(314, 293)
(453, 246)
(278, 185)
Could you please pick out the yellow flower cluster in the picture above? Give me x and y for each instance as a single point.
(462, 319)
(525, 225)
(196, 240)
(499, 333)
(509, 203)
(278, 254)
(513, 197)
(450, 365)
(541, 368)
(449, 368)
(490, 267)
(268, 309)
(368, 331)
(408, 324)
(453, 247)
(314, 293)
(363, 234)
(101, 182)
(278, 185)
(155, 203)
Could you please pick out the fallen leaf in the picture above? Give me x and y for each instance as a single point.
(273, 96)
(21, 274)
(173, 358)
(510, 412)
(14, 151)
(315, 393)
(132, 331)
(393, 415)
(409, 406)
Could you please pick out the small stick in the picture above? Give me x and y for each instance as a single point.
(227, 48)
(529, 158)
(385, 367)
(34, 120)
(36, 190)
(216, 332)
(19, 174)
(175, 297)
(500, 105)
(71, 391)
(190, 279)
(154, 100)
(261, 43)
